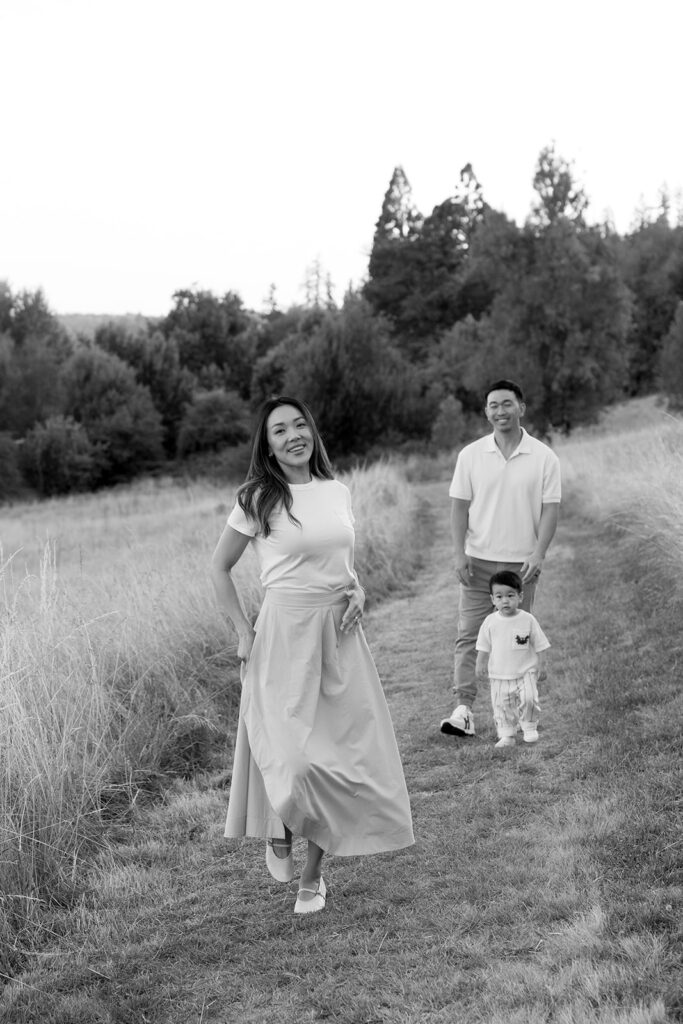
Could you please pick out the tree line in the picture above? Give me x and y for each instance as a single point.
(578, 313)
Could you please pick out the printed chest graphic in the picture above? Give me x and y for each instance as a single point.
(521, 641)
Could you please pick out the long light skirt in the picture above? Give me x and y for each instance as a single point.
(315, 746)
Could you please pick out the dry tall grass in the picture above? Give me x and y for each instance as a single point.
(114, 657)
(630, 471)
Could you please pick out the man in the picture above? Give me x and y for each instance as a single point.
(506, 499)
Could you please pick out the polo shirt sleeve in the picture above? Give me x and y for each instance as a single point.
(552, 482)
(241, 522)
(461, 484)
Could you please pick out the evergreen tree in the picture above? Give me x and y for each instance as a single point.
(417, 266)
(390, 269)
(559, 196)
(399, 220)
(360, 387)
(651, 260)
(495, 247)
(10, 476)
(6, 306)
(670, 375)
(443, 250)
(560, 327)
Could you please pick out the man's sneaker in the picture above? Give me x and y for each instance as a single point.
(530, 735)
(461, 722)
(505, 741)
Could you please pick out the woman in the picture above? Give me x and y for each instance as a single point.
(315, 753)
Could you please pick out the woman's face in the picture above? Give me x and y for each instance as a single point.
(290, 440)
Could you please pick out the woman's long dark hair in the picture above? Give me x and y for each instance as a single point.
(266, 486)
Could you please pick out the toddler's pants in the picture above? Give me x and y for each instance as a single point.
(515, 703)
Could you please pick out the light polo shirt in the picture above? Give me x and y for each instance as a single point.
(506, 497)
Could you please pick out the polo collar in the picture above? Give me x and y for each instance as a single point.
(523, 448)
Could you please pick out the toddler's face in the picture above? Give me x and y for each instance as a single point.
(506, 600)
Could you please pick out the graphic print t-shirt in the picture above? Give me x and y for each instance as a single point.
(512, 642)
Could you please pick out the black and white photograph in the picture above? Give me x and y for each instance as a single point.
(341, 512)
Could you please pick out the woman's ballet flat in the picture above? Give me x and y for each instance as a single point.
(315, 904)
(281, 868)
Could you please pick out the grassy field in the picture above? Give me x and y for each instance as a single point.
(629, 472)
(116, 668)
(545, 883)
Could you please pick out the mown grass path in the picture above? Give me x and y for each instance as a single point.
(542, 886)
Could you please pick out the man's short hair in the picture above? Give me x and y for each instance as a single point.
(506, 578)
(504, 385)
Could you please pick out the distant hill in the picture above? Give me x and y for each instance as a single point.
(87, 323)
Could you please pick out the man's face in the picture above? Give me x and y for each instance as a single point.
(504, 410)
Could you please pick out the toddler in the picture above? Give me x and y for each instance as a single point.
(509, 649)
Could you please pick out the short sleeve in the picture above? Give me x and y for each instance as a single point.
(552, 481)
(349, 508)
(461, 484)
(239, 521)
(484, 638)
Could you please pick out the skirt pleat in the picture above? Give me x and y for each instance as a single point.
(315, 747)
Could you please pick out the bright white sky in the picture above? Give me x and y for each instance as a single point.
(152, 145)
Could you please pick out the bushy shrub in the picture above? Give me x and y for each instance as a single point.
(117, 412)
(214, 419)
(450, 428)
(58, 457)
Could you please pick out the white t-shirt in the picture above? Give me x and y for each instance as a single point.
(512, 642)
(316, 556)
(506, 496)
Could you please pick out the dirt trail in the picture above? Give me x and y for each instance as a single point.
(412, 636)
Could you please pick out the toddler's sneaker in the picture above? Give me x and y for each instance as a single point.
(461, 722)
(530, 735)
(506, 741)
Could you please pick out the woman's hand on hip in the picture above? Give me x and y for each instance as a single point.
(245, 644)
(354, 612)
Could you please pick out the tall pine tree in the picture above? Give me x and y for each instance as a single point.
(391, 267)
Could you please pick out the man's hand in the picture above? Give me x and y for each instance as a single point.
(531, 568)
(462, 569)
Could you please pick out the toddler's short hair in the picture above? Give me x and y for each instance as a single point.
(506, 578)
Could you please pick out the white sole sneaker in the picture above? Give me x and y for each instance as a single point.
(531, 737)
(461, 722)
(505, 741)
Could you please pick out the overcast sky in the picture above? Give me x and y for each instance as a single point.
(152, 145)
